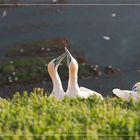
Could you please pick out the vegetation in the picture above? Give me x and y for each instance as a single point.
(29, 63)
(37, 117)
(33, 70)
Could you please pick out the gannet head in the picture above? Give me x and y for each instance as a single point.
(136, 87)
(72, 63)
(53, 65)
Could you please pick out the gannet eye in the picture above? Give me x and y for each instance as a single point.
(134, 88)
(55, 62)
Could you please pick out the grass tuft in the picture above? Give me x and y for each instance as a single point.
(38, 116)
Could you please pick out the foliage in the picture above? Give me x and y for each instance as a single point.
(33, 70)
(39, 117)
(7, 69)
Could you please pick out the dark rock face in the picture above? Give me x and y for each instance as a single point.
(111, 71)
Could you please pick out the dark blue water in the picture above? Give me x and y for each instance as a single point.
(84, 26)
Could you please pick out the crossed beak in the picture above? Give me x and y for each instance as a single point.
(59, 59)
(68, 55)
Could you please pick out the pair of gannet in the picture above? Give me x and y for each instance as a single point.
(73, 89)
(128, 94)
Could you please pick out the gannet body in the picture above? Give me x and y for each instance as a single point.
(128, 94)
(73, 89)
(57, 91)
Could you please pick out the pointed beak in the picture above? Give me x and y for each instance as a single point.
(58, 60)
(68, 55)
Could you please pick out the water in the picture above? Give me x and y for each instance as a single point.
(84, 26)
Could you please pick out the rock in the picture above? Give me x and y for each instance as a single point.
(96, 71)
(111, 71)
(81, 59)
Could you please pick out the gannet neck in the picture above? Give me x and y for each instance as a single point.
(73, 75)
(53, 65)
(73, 84)
(73, 87)
(57, 85)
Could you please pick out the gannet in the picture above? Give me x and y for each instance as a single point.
(128, 94)
(73, 89)
(57, 91)
(4, 13)
(54, 1)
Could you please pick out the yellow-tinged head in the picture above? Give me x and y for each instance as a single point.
(53, 65)
(72, 64)
(136, 87)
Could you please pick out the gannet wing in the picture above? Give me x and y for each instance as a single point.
(88, 92)
(126, 94)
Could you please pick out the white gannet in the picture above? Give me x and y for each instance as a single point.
(54, 1)
(127, 94)
(4, 13)
(57, 91)
(73, 89)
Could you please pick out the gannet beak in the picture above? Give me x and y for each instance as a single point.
(68, 55)
(58, 60)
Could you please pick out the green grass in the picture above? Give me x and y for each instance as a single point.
(33, 70)
(37, 117)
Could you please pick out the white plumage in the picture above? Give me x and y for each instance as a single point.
(57, 91)
(73, 89)
(128, 94)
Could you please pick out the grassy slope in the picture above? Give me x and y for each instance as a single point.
(77, 118)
